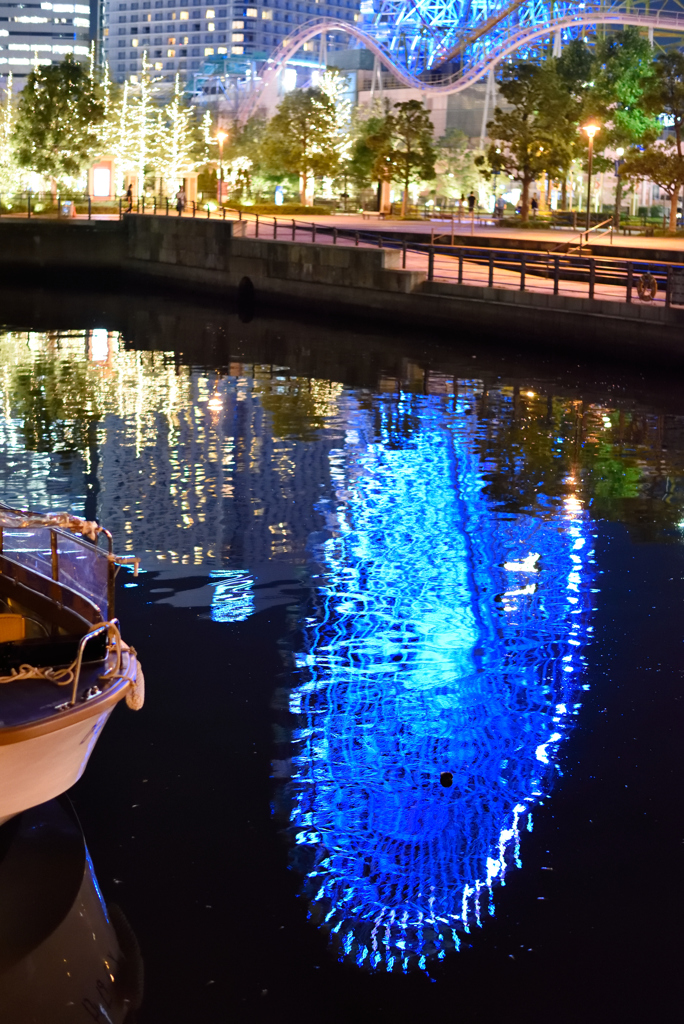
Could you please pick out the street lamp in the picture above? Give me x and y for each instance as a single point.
(221, 138)
(591, 130)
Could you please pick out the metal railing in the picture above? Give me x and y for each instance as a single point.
(593, 277)
(579, 275)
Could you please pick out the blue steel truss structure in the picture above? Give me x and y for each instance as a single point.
(447, 638)
(421, 35)
(444, 46)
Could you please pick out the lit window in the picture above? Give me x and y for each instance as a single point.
(183, 15)
(267, 15)
(251, 12)
(211, 26)
(238, 38)
(172, 40)
(134, 42)
(173, 16)
(222, 49)
(158, 66)
(170, 53)
(210, 14)
(237, 49)
(308, 46)
(186, 40)
(238, 24)
(208, 51)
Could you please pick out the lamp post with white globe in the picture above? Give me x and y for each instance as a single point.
(591, 130)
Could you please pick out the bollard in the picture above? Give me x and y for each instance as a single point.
(167, 206)
(403, 254)
(592, 277)
(208, 212)
(431, 263)
(556, 264)
(194, 208)
(356, 238)
(120, 208)
(460, 268)
(90, 207)
(522, 273)
(379, 241)
(334, 236)
(143, 205)
(256, 233)
(275, 228)
(491, 270)
(293, 229)
(239, 214)
(224, 213)
(313, 232)
(28, 206)
(154, 206)
(630, 281)
(668, 288)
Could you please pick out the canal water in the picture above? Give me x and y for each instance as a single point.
(410, 619)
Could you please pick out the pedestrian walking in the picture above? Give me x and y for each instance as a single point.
(180, 200)
(535, 206)
(499, 207)
(472, 199)
(129, 197)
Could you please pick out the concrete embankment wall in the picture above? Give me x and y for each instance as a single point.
(212, 256)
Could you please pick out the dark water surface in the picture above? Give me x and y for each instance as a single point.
(411, 625)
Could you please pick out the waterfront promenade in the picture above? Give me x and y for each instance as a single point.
(586, 301)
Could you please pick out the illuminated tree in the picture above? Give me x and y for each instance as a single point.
(403, 146)
(531, 135)
(457, 172)
(662, 161)
(303, 137)
(60, 110)
(9, 171)
(178, 140)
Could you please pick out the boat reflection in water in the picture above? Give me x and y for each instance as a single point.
(64, 956)
(443, 669)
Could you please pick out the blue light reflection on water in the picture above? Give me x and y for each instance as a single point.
(448, 637)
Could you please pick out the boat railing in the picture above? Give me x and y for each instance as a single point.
(114, 638)
(72, 560)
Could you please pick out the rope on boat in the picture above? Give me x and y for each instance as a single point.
(58, 676)
(19, 519)
(135, 692)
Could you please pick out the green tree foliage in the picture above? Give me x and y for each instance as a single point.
(531, 136)
(623, 67)
(662, 161)
(303, 137)
(457, 172)
(358, 166)
(403, 146)
(60, 110)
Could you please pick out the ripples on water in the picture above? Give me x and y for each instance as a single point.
(438, 538)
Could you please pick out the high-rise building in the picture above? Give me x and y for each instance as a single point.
(42, 33)
(179, 37)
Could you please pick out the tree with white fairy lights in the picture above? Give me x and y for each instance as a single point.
(9, 171)
(177, 140)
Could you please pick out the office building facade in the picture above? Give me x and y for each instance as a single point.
(42, 33)
(181, 37)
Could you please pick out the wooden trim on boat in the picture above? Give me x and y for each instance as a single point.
(59, 593)
(63, 719)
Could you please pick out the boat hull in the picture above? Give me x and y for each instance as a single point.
(43, 759)
(42, 767)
